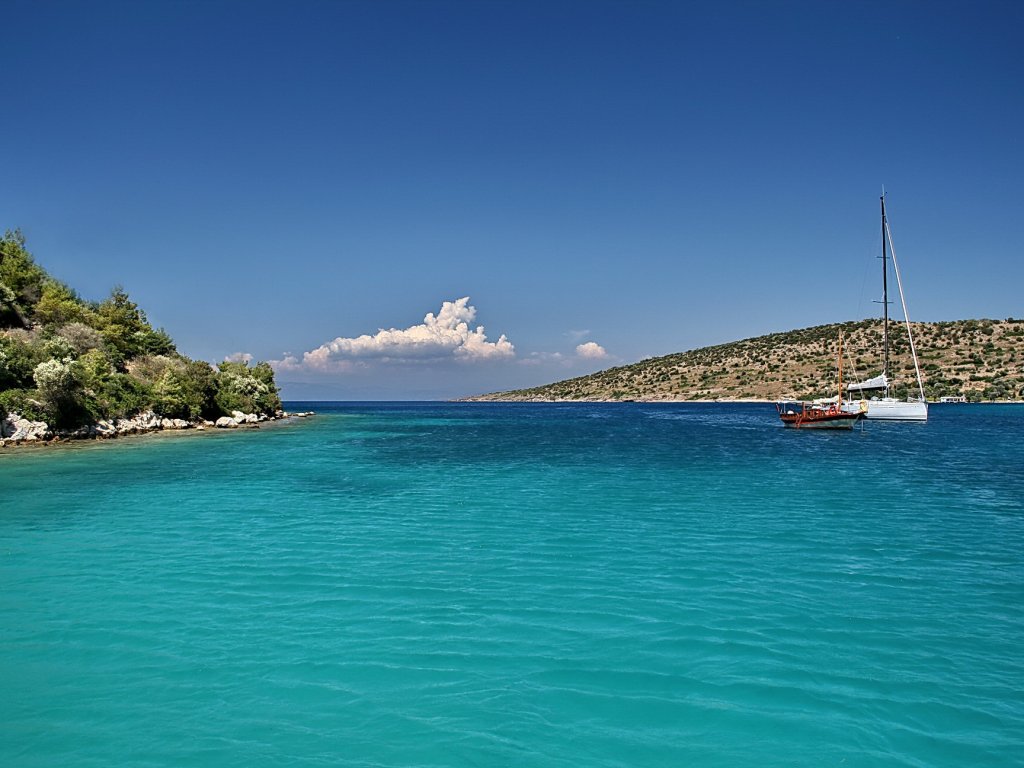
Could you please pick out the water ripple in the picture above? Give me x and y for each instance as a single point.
(438, 585)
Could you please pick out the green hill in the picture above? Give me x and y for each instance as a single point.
(981, 359)
(70, 362)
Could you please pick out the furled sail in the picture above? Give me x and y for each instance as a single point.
(878, 382)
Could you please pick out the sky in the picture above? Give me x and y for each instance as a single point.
(428, 200)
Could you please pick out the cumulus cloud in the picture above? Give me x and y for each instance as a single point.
(591, 351)
(239, 357)
(446, 335)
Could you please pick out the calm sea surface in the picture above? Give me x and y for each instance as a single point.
(519, 585)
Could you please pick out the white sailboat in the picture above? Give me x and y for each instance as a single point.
(883, 405)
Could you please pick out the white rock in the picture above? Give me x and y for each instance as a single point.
(225, 422)
(25, 430)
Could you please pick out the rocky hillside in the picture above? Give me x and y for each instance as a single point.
(981, 359)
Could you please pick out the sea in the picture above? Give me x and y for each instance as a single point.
(486, 584)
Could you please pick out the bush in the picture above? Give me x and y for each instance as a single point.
(24, 402)
(240, 388)
(169, 397)
(17, 361)
(9, 314)
(186, 392)
(107, 393)
(61, 392)
(81, 337)
(200, 383)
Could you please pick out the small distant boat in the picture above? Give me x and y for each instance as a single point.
(820, 414)
(887, 407)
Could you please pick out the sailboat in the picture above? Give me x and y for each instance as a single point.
(821, 414)
(885, 406)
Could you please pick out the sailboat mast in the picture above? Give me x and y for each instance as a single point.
(839, 401)
(885, 302)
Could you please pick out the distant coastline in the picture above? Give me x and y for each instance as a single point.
(982, 360)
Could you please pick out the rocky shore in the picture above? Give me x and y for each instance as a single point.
(15, 430)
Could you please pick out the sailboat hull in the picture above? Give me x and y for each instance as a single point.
(889, 409)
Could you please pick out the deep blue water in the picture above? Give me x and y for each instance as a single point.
(519, 585)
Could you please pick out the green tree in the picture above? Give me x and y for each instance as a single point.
(21, 281)
(240, 388)
(17, 361)
(107, 393)
(60, 390)
(170, 398)
(59, 305)
(200, 385)
(125, 328)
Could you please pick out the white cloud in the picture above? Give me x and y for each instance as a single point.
(239, 357)
(591, 351)
(447, 335)
(541, 358)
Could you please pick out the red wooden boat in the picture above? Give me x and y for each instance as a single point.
(820, 414)
(813, 416)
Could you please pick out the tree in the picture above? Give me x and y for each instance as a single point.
(125, 328)
(60, 390)
(17, 361)
(21, 280)
(240, 388)
(59, 305)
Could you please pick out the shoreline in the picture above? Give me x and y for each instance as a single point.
(37, 434)
(748, 401)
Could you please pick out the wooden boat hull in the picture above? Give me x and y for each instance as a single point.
(818, 418)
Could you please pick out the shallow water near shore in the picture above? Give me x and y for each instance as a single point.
(518, 584)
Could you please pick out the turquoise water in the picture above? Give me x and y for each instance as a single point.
(519, 585)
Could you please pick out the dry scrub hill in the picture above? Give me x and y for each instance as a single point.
(982, 359)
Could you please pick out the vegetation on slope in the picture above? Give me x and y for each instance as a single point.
(981, 359)
(68, 362)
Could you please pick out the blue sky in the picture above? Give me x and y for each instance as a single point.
(626, 178)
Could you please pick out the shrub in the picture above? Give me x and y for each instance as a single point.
(17, 361)
(170, 399)
(200, 384)
(240, 388)
(24, 402)
(61, 392)
(81, 337)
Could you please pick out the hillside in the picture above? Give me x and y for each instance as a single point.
(981, 359)
(66, 362)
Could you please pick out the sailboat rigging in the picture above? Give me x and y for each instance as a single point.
(888, 407)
